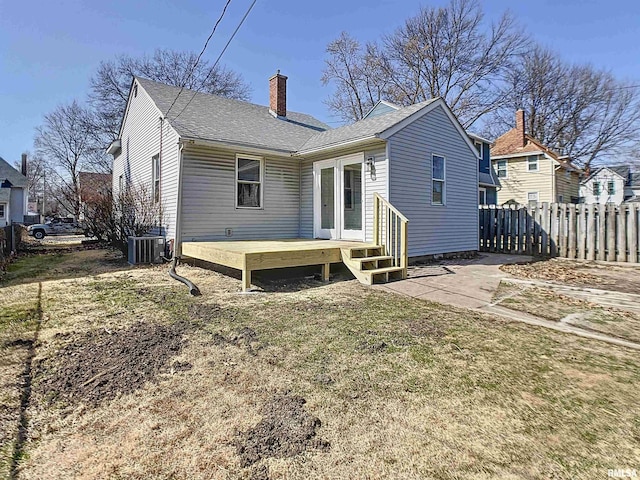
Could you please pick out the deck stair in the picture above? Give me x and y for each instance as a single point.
(370, 265)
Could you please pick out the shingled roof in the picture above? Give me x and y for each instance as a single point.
(215, 118)
(7, 172)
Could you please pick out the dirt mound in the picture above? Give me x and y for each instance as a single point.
(99, 365)
(246, 338)
(285, 430)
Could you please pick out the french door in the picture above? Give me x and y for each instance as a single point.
(339, 198)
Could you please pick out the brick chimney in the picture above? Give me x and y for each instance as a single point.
(520, 127)
(278, 94)
(23, 168)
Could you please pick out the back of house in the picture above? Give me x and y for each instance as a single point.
(226, 170)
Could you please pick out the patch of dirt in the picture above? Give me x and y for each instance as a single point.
(286, 430)
(424, 328)
(246, 338)
(99, 365)
(624, 279)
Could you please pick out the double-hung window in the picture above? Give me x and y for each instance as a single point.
(532, 163)
(501, 168)
(596, 188)
(532, 198)
(3, 210)
(249, 178)
(437, 180)
(611, 187)
(155, 167)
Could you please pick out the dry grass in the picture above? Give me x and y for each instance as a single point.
(403, 388)
(546, 303)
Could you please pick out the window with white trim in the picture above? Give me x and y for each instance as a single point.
(482, 196)
(155, 167)
(501, 168)
(532, 163)
(533, 197)
(249, 178)
(611, 187)
(3, 210)
(437, 180)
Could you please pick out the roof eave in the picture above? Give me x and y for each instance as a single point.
(114, 146)
(228, 144)
(349, 143)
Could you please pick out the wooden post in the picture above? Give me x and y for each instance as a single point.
(562, 231)
(246, 280)
(602, 229)
(499, 230)
(544, 226)
(376, 220)
(326, 270)
(571, 249)
(591, 233)
(632, 233)
(522, 229)
(611, 233)
(582, 232)
(553, 230)
(514, 231)
(492, 229)
(529, 230)
(622, 233)
(405, 249)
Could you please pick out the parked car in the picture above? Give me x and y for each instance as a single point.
(57, 226)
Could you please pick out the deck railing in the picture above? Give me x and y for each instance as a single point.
(390, 229)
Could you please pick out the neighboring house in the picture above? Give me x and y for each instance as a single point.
(607, 184)
(93, 187)
(225, 169)
(530, 172)
(487, 184)
(13, 193)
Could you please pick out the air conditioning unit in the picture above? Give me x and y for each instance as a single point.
(146, 250)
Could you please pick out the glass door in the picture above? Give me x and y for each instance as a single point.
(351, 189)
(325, 199)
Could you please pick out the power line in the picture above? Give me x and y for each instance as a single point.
(193, 67)
(215, 64)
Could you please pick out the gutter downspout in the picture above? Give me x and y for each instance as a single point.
(177, 250)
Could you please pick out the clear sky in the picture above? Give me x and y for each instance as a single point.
(49, 49)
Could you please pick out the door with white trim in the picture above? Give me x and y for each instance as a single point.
(339, 198)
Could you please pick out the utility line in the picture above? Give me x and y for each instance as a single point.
(224, 10)
(215, 64)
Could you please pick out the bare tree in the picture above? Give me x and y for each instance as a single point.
(111, 82)
(577, 110)
(66, 143)
(36, 167)
(445, 52)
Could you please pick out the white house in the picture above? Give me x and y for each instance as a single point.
(608, 184)
(13, 193)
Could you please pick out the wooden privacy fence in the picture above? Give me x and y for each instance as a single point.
(588, 232)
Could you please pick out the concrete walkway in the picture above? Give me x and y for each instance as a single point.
(472, 284)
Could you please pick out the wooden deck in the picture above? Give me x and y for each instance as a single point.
(250, 255)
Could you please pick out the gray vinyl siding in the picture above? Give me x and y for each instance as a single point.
(435, 229)
(377, 183)
(208, 198)
(140, 142)
(380, 109)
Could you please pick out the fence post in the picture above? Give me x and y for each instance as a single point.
(611, 233)
(591, 233)
(499, 230)
(632, 233)
(571, 249)
(544, 226)
(582, 231)
(553, 230)
(562, 230)
(602, 232)
(622, 233)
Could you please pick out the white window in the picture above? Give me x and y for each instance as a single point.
(249, 178)
(437, 180)
(482, 196)
(532, 163)
(596, 188)
(532, 197)
(502, 168)
(611, 187)
(3, 209)
(155, 165)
